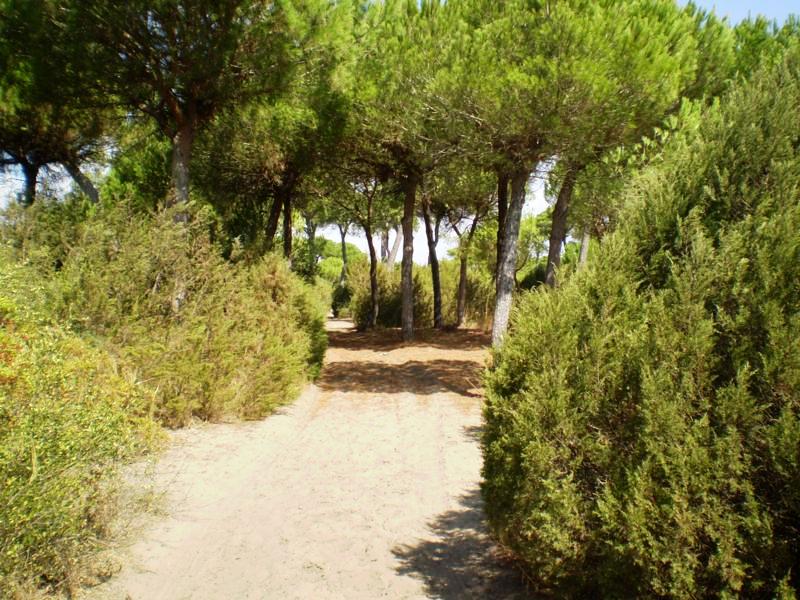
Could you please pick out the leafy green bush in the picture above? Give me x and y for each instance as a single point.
(69, 415)
(480, 295)
(213, 338)
(389, 299)
(643, 421)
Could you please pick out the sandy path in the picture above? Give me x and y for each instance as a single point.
(366, 487)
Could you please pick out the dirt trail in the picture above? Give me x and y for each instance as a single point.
(366, 487)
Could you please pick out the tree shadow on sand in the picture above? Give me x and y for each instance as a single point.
(461, 377)
(388, 339)
(459, 560)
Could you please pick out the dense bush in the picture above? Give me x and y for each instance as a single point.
(643, 421)
(211, 337)
(480, 295)
(69, 415)
(389, 296)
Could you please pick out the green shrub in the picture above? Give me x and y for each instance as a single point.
(389, 299)
(643, 421)
(213, 338)
(480, 295)
(69, 416)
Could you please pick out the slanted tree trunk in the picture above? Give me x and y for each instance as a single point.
(585, 239)
(433, 237)
(372, 317)
(182, 143)
(272, 222)
(398, 238)
(558, 231)
(84, 183)
(31, 173)
(343, 236)
(287, 227)
(461, 309)
(410, 184)
(311, 237)
(506, 266)
(385, 245)
(502, 210)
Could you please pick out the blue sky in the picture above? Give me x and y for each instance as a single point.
(737, 10)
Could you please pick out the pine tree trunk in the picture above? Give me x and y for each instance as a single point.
(272, 222)
(507, 265)
(31, 173)
(372, 317)
(84, 183)
(585, 239)
(558, 231)
(406, 276)
(398, 238)
(311, 235)
(462, 291)
(463, 274)
(343, 235)
(182, 144)
(502, 210)
(433, 261)
(287, 228)
(385, 245)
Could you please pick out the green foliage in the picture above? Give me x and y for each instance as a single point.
(643, 421)
(69, 415)
(210, 337)
(480, 295)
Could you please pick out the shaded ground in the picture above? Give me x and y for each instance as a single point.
(366, 487)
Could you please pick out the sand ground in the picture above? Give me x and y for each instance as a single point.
(365, 487)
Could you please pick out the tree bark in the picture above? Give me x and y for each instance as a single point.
(502, 210)
(287, 228)
(461, 309)
(311, 235)
(433, 261)
(406, 277)
(585, 239)
(558, 231)
(182, 143)
(272, 222)
(508, 261)
(372, 317)
(343, 235)
(84, 183)
(31, 173)
(398, 238)
(385, 245)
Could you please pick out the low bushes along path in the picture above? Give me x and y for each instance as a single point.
(366, 487)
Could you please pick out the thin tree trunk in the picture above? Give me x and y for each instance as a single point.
(343, 235)
(558, 231)
(272, 222)
(398, 238)
(502, 210)
(585, 239)
(84, 183)
(31, 173)
(287, 227)
(372, 317)
(507, 264)
(311, 235)
(406, 276)
(182, 144)
(385, 245)
(433, 261)
(462, 290)
(463, 274)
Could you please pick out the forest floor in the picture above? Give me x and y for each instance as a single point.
(366, 487)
